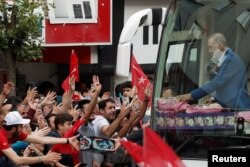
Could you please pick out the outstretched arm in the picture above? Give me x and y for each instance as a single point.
(125, 129)
(48, 158)
(109, 130)
(53, 140)
(67, 96)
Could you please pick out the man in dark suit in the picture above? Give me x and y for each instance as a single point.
(229, 82)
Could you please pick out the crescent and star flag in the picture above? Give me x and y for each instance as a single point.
(74, 71)
(139, 79)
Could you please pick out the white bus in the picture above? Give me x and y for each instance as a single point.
(184, 64)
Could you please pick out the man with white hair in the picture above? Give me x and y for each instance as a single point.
(229, 83)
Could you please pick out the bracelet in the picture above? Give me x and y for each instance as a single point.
(67, 141)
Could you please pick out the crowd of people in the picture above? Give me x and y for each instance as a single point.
(38, 131)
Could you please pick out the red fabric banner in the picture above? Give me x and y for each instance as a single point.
(139, 79)
(74, 71)
(156, 152)
(134, 150)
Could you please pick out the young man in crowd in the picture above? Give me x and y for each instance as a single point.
(12, 131)
(63, 123)
(127, 89)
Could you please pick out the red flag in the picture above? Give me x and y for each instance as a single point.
(134, 150)
(65, 84)
(74, 71)
(139, 79)
(158, 153)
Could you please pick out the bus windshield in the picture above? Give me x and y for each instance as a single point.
(201, 95)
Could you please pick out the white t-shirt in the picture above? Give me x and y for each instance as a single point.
(98, 123)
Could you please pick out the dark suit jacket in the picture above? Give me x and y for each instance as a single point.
(229, 84)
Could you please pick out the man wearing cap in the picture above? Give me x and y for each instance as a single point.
(12, 131)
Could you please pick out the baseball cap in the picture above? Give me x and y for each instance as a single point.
(14, 118)
(82, 102)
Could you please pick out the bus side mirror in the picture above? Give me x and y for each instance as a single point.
(124, 52)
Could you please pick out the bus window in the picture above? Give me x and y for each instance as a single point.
(185, 64)
(182, 67)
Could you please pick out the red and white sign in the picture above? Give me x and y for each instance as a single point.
(95, 32)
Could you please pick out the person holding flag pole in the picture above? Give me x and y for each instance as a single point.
(74, 71)
(143, 88)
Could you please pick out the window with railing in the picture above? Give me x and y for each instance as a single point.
(73, 11)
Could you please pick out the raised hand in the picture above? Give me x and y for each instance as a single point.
(50, 98)
(74, 112)
(72, 81)
(125, 110)
(66, 100)
(74, 142)
(78, 95)
(27, 151)
(42, 132)
(148, 91)
(135, 113)
(7, 88)
(106, 95)
(57, 108)
(51, 157)
(96, 83)
(32, 105)
(31, 93)
(134, 101)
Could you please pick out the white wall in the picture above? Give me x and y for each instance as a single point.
(145, 54)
